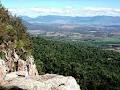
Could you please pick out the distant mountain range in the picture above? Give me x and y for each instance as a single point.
(53, 19)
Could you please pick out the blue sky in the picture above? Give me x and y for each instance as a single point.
(61, 3)
(63, 7)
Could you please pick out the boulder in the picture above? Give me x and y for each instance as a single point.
(9, 60)
(32, 70)
(28, 66)
(10, 65)
(21, 65)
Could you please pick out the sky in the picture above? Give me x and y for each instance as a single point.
(35, 8)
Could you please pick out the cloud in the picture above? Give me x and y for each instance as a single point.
(68, 11)
(103, 11)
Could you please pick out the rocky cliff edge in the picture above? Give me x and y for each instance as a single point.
(23, 74)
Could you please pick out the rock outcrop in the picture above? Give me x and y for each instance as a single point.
(32, 67)
(13, 63)
(23, 74)
(2, 70)
(45, 82)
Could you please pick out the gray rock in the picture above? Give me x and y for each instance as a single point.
(11, 76)
(46, 82)
(2, 70)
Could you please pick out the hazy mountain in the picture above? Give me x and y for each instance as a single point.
(51, 19)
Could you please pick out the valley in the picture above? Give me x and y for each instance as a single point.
(106, 37)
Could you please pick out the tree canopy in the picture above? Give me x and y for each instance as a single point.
(93, 68)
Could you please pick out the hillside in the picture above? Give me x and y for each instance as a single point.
(13, 33)
(93, 68)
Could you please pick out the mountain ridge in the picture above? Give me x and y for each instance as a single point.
(90, 20)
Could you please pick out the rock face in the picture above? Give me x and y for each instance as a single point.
(2, 70)
(31, 66)
(13, 63)
(46, 82)
(21, 65)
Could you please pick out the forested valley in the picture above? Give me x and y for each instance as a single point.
(93, 68)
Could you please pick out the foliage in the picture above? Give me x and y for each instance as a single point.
(13, 33)
(93, 68)
(2, 55)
